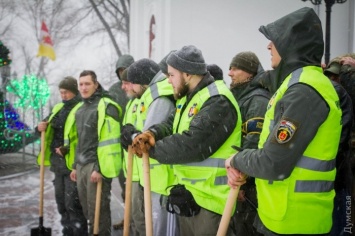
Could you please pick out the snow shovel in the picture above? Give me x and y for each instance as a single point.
(227, 212)
(97, 207)
(41, 230)
(127, 209)
(147, 197)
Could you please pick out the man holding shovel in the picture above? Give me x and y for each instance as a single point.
(197, 140)
(66, 193)
(155, 103)
(94, 136)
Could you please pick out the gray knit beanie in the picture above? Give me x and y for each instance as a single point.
(69, 83)
(189, 59)
(142, 71)
(246, 61)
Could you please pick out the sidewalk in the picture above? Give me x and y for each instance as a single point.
(19, 197)
(15, 164)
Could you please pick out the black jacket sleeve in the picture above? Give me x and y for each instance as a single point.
(208, 130)
(37, 133)
(257, 106)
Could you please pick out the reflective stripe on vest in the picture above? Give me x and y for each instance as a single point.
(213, 163)
(316, 164)
(109, 142)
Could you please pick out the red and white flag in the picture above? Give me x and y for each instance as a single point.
(46, 45)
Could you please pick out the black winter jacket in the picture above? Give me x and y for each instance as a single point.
(252, 100)
(343, 178)
(208, 130)
(86, 119)
(58, 164)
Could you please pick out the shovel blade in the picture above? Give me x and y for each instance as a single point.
(41, 231)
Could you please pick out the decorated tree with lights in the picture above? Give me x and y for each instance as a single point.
(14, 133)
(32, 92)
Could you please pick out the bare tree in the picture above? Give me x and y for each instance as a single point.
(71, 23)
(61, 18)
(6, 17)
(22, 31)
(114, 16)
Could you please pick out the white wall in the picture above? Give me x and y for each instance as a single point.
(341, 28)
(222, 28)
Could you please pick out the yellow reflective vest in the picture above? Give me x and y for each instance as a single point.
(49, 136)
(303, 203)
(130, 117)
(109, 145)
(207, 180)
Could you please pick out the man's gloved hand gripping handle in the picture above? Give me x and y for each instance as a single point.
(143, 142)
(127, 131)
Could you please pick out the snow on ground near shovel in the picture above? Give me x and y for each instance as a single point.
(19, 201)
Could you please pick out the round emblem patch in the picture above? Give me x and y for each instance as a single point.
(285, 131)
(193, 110)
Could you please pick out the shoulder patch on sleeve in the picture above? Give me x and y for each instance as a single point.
(285, 131)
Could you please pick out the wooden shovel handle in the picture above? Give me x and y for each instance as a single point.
(147, 196)
(227, 213)
(128, 193)
(97, 207)
(41, 175)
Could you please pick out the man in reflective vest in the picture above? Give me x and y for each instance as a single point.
(95, 129)
(130, 117)
(197, 141)
(252, 99)
(294, 166)
(66, 193)
(155, 104)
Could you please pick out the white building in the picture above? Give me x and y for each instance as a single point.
(222, 28)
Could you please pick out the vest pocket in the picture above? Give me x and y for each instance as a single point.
(272, 198)
(199, 180)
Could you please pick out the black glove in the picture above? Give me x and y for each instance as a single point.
(64, 150)
(126, 135)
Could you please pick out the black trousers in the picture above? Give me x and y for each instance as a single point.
(66, 195)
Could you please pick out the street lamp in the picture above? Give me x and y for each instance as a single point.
(328, 10)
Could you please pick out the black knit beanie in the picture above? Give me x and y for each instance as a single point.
(246, 61)
(162, 64)
(215, 71)
(188, 59)
(69, 83)
(142, 71)
(124, 75)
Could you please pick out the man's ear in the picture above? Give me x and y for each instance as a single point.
(187, 75)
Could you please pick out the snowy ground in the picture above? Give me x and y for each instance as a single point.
(19, 198)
